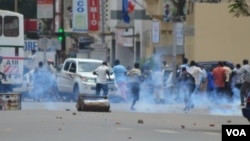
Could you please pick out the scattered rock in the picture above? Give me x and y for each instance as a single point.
(129, 138)
(74, 113)
(60, 129)
(211, 125)
(194, 124)
(67, 109)
(117, 123)
(182, 126)
(140, 121)
(229, 121)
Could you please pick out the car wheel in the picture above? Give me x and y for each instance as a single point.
(76, 93)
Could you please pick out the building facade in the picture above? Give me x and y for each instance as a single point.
(127, 42)
(217, 34)
(211, 32)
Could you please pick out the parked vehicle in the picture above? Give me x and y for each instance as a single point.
(11, 49)
(76, 77)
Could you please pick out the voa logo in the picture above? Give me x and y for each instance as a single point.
(236, 132)
(80, 6)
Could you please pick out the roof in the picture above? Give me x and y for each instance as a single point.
(7, 12)
(84, 60)
(211, 64)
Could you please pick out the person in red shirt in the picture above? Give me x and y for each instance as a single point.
(219, 74)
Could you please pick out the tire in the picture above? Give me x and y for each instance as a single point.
(76, 93)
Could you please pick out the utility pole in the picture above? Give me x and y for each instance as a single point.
(174, 53)
(103, 4)
(63, 43)
(103, 20)
(178, 33)
(16, 6)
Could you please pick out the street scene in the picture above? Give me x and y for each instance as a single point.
(61, 121)
(124, 70)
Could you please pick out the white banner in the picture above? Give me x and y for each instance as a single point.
(179, 34)
(80, 15)
(122, 41)
(155, 32)
(44, 9)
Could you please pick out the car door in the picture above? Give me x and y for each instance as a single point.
(71, 76)
(63, 77)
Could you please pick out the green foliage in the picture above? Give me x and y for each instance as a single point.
(239, 8)
(7, 5)
(26, 7)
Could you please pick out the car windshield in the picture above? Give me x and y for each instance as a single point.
(88, 66)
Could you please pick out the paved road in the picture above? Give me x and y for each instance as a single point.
(48, 121)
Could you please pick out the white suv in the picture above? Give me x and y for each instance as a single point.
(76, 77)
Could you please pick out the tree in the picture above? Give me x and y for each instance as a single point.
(7, 5)
(239, 8)
(236, 7)
(180, 5)
(26, 7)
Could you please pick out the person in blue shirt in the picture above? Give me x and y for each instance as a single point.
(210, 83)
(119, 72)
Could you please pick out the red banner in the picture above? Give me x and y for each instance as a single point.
(44, 1)
(93, 15)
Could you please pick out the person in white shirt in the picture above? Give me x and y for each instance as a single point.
(203, 78)
(244, 90)
(237, 77)
(102, 71)
(196, 72)
(51, 66)
(157, 77)
(228, 88)
(134, 80)
(30, 61)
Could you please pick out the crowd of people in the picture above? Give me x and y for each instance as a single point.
(156, 82)
(126, 81)
(221, 81)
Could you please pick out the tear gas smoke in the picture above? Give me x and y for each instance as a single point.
(43, 85)
(213, 103)
(172, 98)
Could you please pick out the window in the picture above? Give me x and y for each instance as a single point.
(1, 26)
(88, 66)
(66, 66)
(11, 26)
(72, 67)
